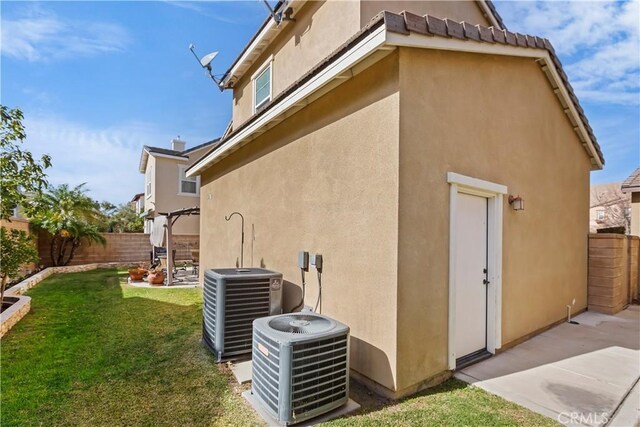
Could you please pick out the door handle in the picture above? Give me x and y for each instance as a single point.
(485, 282)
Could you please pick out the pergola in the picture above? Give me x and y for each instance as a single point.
(172, 217)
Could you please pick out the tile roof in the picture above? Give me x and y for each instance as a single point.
(632, 183)
(166, 151)
(491, 6)
(406, 23)
(280, 3)
(184, 153)
(203, 145)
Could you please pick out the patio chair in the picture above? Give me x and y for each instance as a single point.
(156, 252)
(195, 260)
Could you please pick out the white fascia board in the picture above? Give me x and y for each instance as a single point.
(581, 129)
(487, 10)
(442, 43)
(261, 39)
(445, 43)
(144, 157)
(168, 156)
(335, 70)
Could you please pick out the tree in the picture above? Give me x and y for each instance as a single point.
(614, 205)
(126, 220)
(72, 218)
(22, 179)
(21, 175)
(17, 248)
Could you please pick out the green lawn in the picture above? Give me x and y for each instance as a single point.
(95, 351)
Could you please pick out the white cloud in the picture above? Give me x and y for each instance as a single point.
(598, 43)
(105, 158)
(201, 7)
(41, 36)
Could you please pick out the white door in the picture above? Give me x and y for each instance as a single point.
(470, 270)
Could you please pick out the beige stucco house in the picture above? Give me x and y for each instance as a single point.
(167, 188)
(394, 144)
(631, 186)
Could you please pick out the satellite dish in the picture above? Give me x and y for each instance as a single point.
(205, 62)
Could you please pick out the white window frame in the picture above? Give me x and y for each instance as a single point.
(181, 173)
(148, 187)
(263, 68)
(600, 215)
(495, 196)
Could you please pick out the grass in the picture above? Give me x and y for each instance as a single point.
(96, 351)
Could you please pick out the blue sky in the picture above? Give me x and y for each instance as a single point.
(97, 80)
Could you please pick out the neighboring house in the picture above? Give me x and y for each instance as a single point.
(166, 186)
(609, 207)
(138, 203)
(632, 185)
(396, 144)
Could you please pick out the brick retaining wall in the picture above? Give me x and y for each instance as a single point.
(120, 247)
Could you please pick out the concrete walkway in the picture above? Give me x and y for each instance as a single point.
(577, 374)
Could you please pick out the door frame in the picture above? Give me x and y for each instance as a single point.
(494, 194)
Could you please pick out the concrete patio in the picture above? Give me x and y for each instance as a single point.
(584, 374)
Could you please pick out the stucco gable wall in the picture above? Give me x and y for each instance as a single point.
(323, 180)
(167, 198)
(493, 118)
(319, 29)
(465, 10)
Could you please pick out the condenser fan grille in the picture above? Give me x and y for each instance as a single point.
(300, 324)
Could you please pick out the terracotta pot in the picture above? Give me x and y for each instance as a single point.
(136, 274)
(155, 278)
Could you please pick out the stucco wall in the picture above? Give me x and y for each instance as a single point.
(165, 189)
(635, 214)
(168, 199)
(466, 10)
(496, 119)
(324, 180)
(319, 29)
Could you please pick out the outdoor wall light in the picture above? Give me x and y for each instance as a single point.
(517, 203)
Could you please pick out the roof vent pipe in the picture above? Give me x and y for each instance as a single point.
(177, 144)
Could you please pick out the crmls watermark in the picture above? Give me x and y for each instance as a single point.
(597, 418)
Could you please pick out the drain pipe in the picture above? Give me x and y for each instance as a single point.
(573, 322)
(242, 237)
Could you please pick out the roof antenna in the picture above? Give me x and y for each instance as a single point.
(205, 62)
(284, 15)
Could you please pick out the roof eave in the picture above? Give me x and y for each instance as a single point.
(144, 157)
(258, 43)
(393, 33)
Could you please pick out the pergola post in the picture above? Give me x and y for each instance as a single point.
(169, 252)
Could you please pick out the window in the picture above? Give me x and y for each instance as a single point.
(262, 87)
(187, 186)
(599, 215)
(148, 182)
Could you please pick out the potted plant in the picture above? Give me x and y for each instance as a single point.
(156, 276)
(136, 274)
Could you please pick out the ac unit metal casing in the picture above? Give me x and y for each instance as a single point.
(232, 299)
(298, 376)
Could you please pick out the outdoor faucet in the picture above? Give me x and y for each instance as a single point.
(242, 238)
